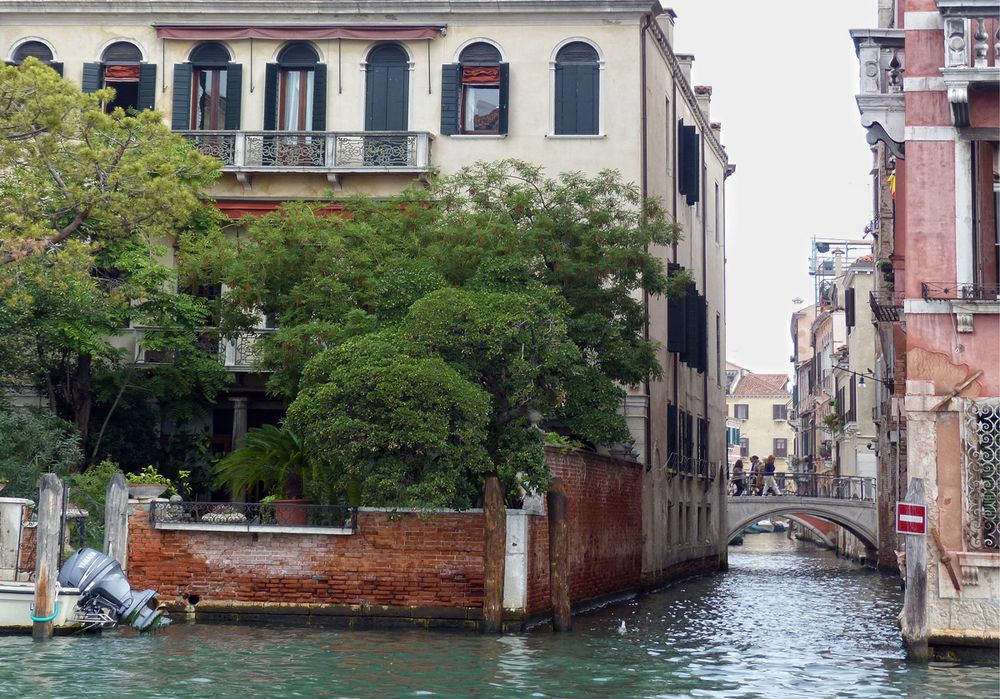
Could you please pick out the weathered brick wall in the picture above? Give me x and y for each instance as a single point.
(29, 538)
(605, 528)
(399, 560)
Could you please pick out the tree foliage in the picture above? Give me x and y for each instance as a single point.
(526, 288)
(34, 442)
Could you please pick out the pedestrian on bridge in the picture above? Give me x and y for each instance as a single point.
(769, 483)
(756, 477)
(738, 477)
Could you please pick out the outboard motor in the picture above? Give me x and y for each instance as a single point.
(103, 585)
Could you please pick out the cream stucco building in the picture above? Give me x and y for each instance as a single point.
(761, 403)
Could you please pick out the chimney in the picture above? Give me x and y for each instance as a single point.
(716, 127)
(685, 60)
(665, 21)
(703, 95)
(838, 264)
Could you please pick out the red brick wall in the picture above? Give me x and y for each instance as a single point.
(29, 537)
(403, 560)
(605, 528)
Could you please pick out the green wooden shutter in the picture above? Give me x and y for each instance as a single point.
(319, 98)
(93, 74)
(564, 76)
(387, 97)
(691, 165)
(675, 315)
(180, 106)
(504, 97)
(689, 352)
(234, 96)
(271, 97)
(147, 86)
(587, 99)
(849, 312)
(451, 98)
(56, 66)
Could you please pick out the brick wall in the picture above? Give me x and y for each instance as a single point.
(29, 538)
(396, 560)
(605, 528)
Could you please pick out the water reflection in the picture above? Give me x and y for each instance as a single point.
(786, 621)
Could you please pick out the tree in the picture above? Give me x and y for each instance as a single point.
(90, 203)
(270, 457)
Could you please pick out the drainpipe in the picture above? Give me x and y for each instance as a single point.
(644, 190)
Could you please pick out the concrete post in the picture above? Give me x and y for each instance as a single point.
(50, 499)
(11, 525)
(116, 520)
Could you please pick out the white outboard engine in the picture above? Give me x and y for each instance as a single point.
(103, 585)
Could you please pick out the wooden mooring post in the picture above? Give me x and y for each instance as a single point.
(559, 556)
(495, 549)
(116, 520)
(50, 502)
(913, 618)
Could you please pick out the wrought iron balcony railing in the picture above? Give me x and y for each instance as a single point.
(886, 305)
(234, 515)
(315, 151)
(239, 353)
(953, 291)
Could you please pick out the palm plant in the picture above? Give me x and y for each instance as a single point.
(272, 457)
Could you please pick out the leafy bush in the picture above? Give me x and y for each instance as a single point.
(34, 442)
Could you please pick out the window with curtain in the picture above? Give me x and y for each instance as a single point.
(209, 87)
(296, 87)
(577, 90)
(480, 89)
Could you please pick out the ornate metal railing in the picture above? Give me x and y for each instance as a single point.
(981, 473)
(954, 291)
(239, 353)
(315, 151)
(886, 305)
(278, 514)
(813, 485)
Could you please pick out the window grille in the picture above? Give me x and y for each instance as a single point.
(981, 473)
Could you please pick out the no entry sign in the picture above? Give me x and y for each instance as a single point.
(911, 519)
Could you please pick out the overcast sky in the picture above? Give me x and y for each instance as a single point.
(784, 76)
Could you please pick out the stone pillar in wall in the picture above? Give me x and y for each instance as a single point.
(239, 421)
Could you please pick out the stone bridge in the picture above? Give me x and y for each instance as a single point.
(856, 516)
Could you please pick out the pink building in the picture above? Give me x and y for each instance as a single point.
(929, 99)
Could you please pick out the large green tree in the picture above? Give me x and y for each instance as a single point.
(90, 203)
(529, 288)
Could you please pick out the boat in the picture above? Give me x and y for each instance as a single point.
(765, 525)
(17, 601)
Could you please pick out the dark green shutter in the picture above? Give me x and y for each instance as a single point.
(180, 106)
(56, 66)
(234, 95)
(689, 353)
(691, 164)
(147, 86)
(849, 312)
(504, 97)
(451, 98)
(319, 98)
(398, 97)
(587, 98)
(564, 107)
(92, 77)
(577, 99)
(702, 309)
(386, 97)
(271, 97)
(675, 315)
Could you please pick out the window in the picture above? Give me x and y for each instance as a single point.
(779, 411)
(715, 201)
(36, 49)
(387, 89)
(474, 92)
(295, 91)
(689, 165)
(718, 349)
(121, 68)
(207, 91)
(744, 446)
(780, 448)
(577, 90)
(741, 411)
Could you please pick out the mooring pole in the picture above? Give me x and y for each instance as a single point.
(495, 515)
(559, 556)
(116, 520)
(50, 497)
(913, 618)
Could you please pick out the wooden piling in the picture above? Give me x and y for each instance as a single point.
(559, 556)
(913, 618)
(495, 515)
(50, 498)
(116, 520)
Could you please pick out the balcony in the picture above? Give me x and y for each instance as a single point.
(236, 354)
(880, 99)
(971, 51)
(886, 305)
(953, 291)
(323, 152)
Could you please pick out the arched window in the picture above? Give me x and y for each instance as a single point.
(207, 91)
(474, 92)
(387, 89)
(295, 90)
(35, 49)
(577, 90)
(121, 67)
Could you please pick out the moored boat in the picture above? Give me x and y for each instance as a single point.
(17, 610)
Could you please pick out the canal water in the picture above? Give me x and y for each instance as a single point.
(787, 620)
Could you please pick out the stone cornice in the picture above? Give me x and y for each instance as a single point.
(689, 96)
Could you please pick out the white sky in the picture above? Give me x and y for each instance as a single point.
(784, 76)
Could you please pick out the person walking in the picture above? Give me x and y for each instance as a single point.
(753, 487)
(737, 477)
(769, 483)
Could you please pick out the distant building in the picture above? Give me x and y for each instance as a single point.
(760, 404)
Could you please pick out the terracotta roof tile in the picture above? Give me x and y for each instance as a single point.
(762, 385)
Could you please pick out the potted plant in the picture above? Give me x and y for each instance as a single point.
(272, 458)
(147, 483)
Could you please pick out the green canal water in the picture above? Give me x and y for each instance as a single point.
(785, 621)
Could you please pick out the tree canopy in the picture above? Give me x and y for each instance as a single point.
(526, 288)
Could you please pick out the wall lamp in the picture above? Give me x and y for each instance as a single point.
(887, 381)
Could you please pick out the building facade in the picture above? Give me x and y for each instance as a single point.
(302, 98)
(930, 74)
(760, 403)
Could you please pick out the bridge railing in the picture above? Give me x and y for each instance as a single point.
(814, 485)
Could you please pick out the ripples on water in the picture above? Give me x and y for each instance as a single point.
(786, 621)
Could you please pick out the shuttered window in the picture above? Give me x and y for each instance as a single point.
(387, 89)
(849, 312)
(475, 92)
(741, 411)
(294, 91)
(207, 91)
(780, 448)
(121, 68)
(577, 90)
(688, 162)
(38, 50)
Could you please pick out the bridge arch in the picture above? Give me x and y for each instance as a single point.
(859, 518)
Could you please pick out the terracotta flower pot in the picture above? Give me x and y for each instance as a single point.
(291, 512)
